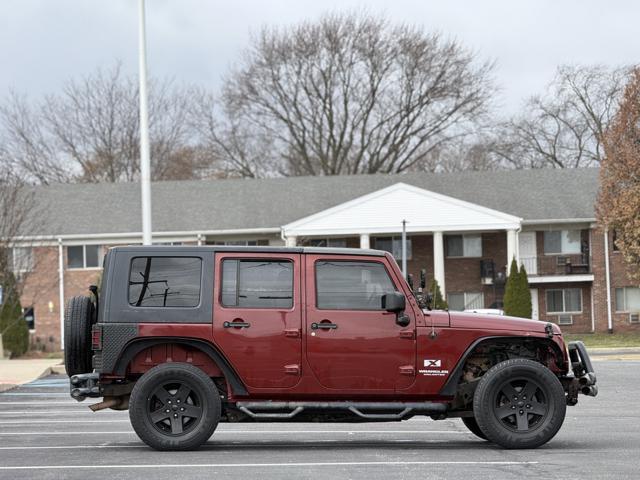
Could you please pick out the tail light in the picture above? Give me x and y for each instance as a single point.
(96, 337)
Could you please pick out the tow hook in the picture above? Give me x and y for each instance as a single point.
(84, 385)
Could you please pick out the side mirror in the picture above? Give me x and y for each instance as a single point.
(393, 302)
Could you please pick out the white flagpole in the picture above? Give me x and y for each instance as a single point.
(145, 175)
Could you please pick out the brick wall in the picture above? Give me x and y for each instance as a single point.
(619, 278)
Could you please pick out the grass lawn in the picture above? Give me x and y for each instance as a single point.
(606, 339)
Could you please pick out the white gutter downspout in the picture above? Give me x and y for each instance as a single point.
(61, 290)
(593, 303)
(607, 274)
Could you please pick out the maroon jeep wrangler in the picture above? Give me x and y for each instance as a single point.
(187, 337)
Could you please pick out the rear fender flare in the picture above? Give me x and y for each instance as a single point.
(136, 346)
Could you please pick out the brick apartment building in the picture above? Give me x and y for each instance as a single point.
(462, 228)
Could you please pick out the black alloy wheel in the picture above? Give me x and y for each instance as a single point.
(174, 406)
(519, 403)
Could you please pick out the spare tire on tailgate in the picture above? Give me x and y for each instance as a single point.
(78, 319)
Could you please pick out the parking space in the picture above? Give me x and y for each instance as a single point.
(44, 434)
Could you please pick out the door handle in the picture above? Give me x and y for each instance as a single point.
(236, 324)
(323, 326)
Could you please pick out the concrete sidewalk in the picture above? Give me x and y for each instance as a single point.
(19, 371)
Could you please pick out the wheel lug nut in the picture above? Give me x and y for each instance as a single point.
(528, 406)
(167, 410)
(175, 415)
(521, 412)
(513, 407)
(182, 409)
(178, 401)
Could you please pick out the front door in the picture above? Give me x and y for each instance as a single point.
(352, 343)
(535, 315)
(257, 316)
(528, 252)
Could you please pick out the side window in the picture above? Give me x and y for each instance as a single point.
(165, 281)
(351, 285)
(257, 283)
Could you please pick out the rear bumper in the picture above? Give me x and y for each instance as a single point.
(582, 379)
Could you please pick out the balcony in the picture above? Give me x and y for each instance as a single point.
(564, 267)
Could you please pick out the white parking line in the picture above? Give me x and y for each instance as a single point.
(260, 432)
(263, 465)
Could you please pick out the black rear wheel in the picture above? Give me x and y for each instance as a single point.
(174, 406)
(519, 404)
(78, 318)
(472, 425)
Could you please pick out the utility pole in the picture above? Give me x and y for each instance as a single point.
(145, 175)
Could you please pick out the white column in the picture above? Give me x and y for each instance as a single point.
(512, 248)
(61, 290)
(438, 260)
(365, 240)
(291, 241)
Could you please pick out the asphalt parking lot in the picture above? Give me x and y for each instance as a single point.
(44, 434)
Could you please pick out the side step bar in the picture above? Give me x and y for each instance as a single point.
(395, 410)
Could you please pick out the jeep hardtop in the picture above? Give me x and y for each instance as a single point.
(185, 337)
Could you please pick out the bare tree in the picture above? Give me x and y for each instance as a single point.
(349, 94)
(90, 131)
(563, 128)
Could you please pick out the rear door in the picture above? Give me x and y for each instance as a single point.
(352, 343)
(256, 318)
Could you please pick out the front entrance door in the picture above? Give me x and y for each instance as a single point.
(528, 252)
(257, 316)
(352, 343)
(535, 315)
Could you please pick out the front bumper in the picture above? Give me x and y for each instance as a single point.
(583, 379)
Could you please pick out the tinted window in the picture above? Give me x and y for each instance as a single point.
(75, 257)
(92, 253)
(165, 282)
(351, 285)
(257, 283)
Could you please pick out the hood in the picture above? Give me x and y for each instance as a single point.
(498, 322)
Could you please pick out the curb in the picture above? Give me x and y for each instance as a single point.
(53, 370)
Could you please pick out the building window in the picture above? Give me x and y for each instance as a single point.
(240, 243)
(562, 241)
(566, 300)
(165, 281)
(351, 285)
(628, 299)
(464, 245)
(393, 245)
(21, 259)
(465, 301)
(84, 256)
(614, 241)
(257, 284)
(328, 242)
(30, 318)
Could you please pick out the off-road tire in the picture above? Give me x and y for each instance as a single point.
(472, 425)
(534, 412)
(78, 318)
(145, 401)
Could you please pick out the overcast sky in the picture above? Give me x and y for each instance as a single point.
(45, 42)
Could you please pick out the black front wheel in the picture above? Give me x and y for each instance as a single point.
(472, 425)
(519, 404)
(174, 406)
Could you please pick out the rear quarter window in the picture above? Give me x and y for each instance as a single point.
(165, 281)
